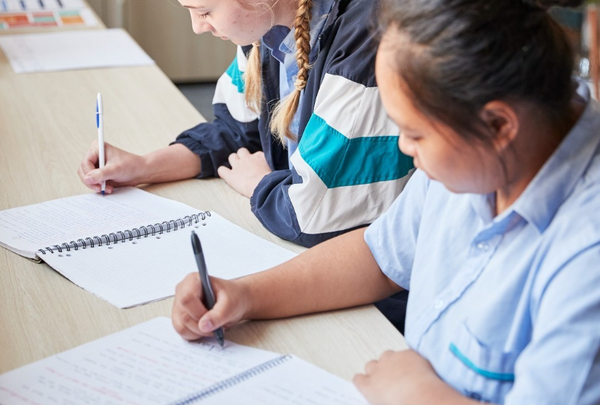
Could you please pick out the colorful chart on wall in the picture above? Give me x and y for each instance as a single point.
(44, 13)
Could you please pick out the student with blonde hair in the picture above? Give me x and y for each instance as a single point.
(497, 234)
(299, 126)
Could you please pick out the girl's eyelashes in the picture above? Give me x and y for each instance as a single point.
(409, 136)
(202, 15)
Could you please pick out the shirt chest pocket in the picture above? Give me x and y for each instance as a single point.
(479, 370)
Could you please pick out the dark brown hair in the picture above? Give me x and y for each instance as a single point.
(455, 56)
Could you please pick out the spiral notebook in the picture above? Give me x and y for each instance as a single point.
(132, 247)
(149, 364)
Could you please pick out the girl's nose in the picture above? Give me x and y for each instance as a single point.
(199, 25)
(406, 146)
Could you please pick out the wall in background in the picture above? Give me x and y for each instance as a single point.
(164, 30)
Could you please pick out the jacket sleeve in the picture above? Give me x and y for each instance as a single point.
(347, 169)
(235, 125)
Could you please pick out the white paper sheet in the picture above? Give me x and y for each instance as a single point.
(72, 50)
(292, 382)
(147, 364)
(26, 229)
(139, 266)
(148, 269)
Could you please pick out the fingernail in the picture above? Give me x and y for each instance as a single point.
(206, 326)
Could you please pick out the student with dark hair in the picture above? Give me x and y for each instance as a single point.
(497, 234)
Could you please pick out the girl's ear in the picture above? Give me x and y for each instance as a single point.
(502, 121)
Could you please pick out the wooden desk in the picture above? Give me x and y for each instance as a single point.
(47, 122)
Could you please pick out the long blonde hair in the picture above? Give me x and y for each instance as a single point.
(284, 112)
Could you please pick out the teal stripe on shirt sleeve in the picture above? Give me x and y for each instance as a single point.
(340, 161)
(234, 72)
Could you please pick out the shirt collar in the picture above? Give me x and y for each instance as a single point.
(320, 12)
(280, 40)
(557, 179)
(273, 40)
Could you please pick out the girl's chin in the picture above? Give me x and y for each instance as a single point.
(427, 173)
(239, 42)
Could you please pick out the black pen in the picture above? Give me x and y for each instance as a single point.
(207, 292)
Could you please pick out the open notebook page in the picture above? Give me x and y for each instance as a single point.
(144, 365)
(24, 230)
(292, 382)
(148, 269)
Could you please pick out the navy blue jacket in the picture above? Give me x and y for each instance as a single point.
(347, 169)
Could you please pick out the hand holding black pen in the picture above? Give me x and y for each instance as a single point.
(208, 297)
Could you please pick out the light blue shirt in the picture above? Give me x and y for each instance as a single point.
(282, 44)
(506, 308)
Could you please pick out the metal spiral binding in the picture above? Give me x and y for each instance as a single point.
(128, 234)
(232, 381)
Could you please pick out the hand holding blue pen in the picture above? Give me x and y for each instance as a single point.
(208, 297)
(100, 126)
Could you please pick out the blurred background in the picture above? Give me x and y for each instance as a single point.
(163, 28)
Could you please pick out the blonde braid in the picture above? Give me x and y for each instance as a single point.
(253, 79)
(284, 113)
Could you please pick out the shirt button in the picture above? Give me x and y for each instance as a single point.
(483, 246)
(439, 304)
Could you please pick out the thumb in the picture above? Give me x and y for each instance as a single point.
(95, 176)
(221, 314)
(223, 172)
(107, 173)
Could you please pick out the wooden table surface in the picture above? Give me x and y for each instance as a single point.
(47, 122)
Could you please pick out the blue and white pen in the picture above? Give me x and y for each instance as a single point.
(100, 126)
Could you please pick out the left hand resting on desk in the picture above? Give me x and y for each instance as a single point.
(247, 170)
(405, 378)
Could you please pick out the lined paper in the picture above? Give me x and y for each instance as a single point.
(143, 365)
(140, 269)
(29, 228)
(149, 364)
(148, 269)
(292, 382)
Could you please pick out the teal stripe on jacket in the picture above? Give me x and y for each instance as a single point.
(340, 161)
(233, 71)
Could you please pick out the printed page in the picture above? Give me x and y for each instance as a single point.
(143, 365)
(290, 383)
(27, 229)
(20, 14)
(148, 269)
(18, 5)
(72, 50)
